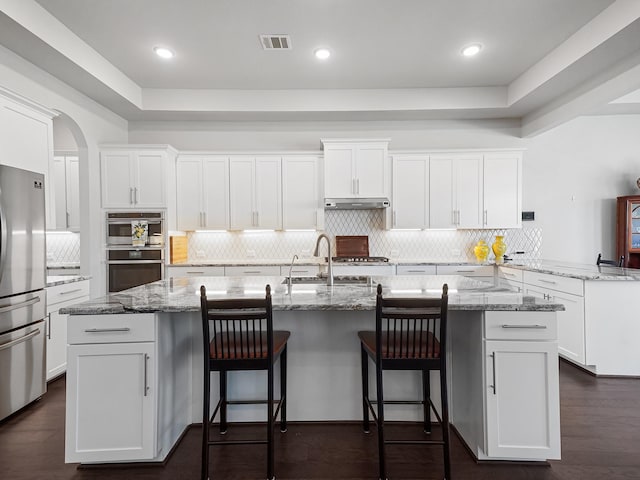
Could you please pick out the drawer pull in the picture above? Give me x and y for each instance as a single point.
(195, 273)
(252, 271)
(548, 281)
(465, 271)
(536, 326)
(416, 271)
(507, 274)
(299, 271)
(146, 387)
(71, 291)
(107, 330)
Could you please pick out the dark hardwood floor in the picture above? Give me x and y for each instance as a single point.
(600, 440)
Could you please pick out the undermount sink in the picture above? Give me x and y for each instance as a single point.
(341, 280)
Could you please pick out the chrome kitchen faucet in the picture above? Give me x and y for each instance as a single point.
(315, 254)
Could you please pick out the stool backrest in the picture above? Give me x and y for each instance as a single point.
(239, 328)
(411, 327)
(601, 261)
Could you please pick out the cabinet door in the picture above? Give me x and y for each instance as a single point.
(468, 191)
(241, 193)
(370, 170)
(300, 200)
(571, 330)
(150, 184)
(215, 193)
(111, 396)
(72, 182)
(523, 418)
(441, 195)
(268, 193)
(56, 344)
(502, 190)
(410, 192)
(117, 180)
(339, 171)
(189, 181)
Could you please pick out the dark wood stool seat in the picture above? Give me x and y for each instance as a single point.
(613, 263)
(238, 335)
(410, 335)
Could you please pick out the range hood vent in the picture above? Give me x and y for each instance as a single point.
(355, 203)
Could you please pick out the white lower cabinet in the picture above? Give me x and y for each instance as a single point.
(194, 271)
(571, 321)
(416, 270)
(363, 269)
(522, 418)
(252, 270)
(60, 296)
(504, 386)
(128, 386)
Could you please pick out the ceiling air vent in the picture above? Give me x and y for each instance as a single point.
(275, 42)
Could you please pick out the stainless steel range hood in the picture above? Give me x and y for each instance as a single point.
(355, 203)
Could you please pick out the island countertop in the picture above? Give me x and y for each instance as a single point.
(182, 295)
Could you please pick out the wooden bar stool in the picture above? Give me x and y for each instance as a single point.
(410, 335)
(242, 339)
(613, 263)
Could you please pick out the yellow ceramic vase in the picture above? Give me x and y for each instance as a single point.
(499, 248)
(481, 251)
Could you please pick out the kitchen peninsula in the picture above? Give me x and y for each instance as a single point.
(134, 377)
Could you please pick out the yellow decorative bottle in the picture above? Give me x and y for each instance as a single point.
(481, 251)
(499, 248)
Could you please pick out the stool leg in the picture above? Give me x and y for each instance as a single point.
(445, 423)
(204, 474)
(223, 404)
(426, 397)
(380, 425)
(283, 390)
(364, 359)
(270, 460)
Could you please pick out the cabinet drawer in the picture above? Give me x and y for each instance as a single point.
(363, 269)
(511, 274)
(416, 270)
(66, 292)
(300, 271)
(466, 270)
(195, 271)
(574, 286)
(520, 326)
(256, 270)
(118, 328)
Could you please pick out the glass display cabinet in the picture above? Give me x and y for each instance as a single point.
(628, 230)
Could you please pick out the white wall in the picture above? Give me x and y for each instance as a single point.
(98, 126)
(572, 174)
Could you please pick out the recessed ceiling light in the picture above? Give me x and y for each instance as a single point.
(163, 52)
(322, 53)
(471, 50)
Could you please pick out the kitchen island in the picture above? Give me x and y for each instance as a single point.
(134, 381)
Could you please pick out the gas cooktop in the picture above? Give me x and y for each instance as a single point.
(360, 259)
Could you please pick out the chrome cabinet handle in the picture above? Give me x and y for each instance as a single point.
(257, 219)
(131, 195)
(493, 361)
(534, 326)
(547, 281)
(135, 195)
(252, 271)
(70, 291)
(394, 218)
(507, 274)
(204, 218)
(195, 273)
(22, 339)
(49, 325)
(146, 386)
(465, 271)
(107, 330)
(358, 186)
(485, 217)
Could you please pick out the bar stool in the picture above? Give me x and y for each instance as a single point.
(242, 339)
(410, 335)
(614, 263)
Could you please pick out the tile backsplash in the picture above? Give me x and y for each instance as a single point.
(63, 248)
(427, 245)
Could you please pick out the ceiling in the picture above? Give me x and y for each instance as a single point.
(543, 62)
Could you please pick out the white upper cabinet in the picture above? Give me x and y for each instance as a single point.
(503, 190)
(66, 185)
(355, 169)
(255, 192)
(455, 190)
(410, 202)
(300, 187)
(134, 178)
(202, 186)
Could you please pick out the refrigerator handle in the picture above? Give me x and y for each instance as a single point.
(3, 240)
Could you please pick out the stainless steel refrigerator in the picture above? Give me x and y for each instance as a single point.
(22, 282)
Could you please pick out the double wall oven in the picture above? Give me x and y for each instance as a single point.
(127, 265)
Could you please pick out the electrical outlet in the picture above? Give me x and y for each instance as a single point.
(251, 254)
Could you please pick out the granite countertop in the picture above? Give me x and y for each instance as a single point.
(63, 265)
(577, 270)
(182, 295)
(53, 280)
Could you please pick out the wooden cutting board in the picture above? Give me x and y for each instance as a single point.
(177, 249)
